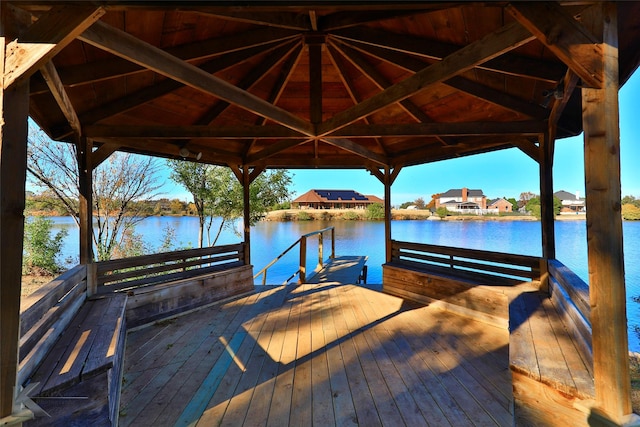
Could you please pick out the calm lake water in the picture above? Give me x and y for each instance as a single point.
(269, 239)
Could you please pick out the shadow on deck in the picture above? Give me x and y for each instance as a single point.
(321, 354)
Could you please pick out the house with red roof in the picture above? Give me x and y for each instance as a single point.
(334, 199)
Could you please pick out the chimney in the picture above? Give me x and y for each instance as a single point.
(464, 194)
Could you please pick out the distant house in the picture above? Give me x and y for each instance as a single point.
(334, 199)
(571, 203)
(463, 200)
(500, 205)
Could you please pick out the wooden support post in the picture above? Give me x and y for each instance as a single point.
(302, 276)
(604, 233)
(246, 184)
(387, 213)
(546, 205)
(13, 161)
(333, 242)
(85, 179)
(320, 250)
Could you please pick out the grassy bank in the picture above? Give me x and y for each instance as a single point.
(396, 214)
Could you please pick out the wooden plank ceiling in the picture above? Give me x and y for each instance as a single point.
(332, 84)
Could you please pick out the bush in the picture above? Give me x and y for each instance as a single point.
(630, 212)
(40, 249)
(304, 216)
(375, 211)
(350, 215)
(442, 212)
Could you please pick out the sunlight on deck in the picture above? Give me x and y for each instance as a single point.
(326, 354)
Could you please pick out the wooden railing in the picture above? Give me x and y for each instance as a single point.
(122, 274)
(302, 264)
(468, 263)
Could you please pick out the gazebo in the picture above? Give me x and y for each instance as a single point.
(325, 84)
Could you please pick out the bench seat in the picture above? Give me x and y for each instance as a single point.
(418, 283)
(87, 358)
(552, 381)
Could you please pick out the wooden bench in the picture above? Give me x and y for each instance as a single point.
(550, 360)
(456, 295)
(73, 348)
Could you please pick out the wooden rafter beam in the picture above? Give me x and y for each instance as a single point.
(529, 148)
(126, 46)
(315, 83)
(564, 36)
(45, 38)
(569, 84)
(355, 148)
(510, 64)
(377, 173)
(339, 20)
(191, 132)
(470, 87)
(102, 153)
(50, 74)
(255, 172)
(273, 149)
(96, 71)
(382, 82)
(442, 129)
(278, 87)
(434, 154)
(160, 89)
(161, 148)
(288, 20)
(491, 46)
(349, 85)
(249, 80)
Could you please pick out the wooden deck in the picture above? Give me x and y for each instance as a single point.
(342, 269)
(317, 354)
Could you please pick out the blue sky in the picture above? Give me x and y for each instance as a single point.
(505, 173)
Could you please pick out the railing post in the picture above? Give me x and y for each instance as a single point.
(302, 277)
(92, 278)
(320, 250)
(333, 242)
(264, 278)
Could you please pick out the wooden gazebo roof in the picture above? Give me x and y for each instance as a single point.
(316, 83)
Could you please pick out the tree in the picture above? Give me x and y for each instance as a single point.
(375, 211)
(514, 203)
(118, 184)
(40, 248)
(419, 202)
(533, 206)
(525, 197)
(218, 194)
(432, 202)
(405, 205)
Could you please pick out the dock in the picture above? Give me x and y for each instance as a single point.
(343, 269)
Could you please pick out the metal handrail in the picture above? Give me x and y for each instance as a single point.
(301, 272)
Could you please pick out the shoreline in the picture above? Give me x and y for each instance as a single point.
(284, 215)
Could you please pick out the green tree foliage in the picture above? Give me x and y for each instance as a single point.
(40, 249)
(405, 205)
(442, 212)
(218, 195)
(533, 206)
(514, 203)
(375, 211)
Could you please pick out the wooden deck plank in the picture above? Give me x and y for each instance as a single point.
(316, 354)
(283, 388)
(301, 399)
